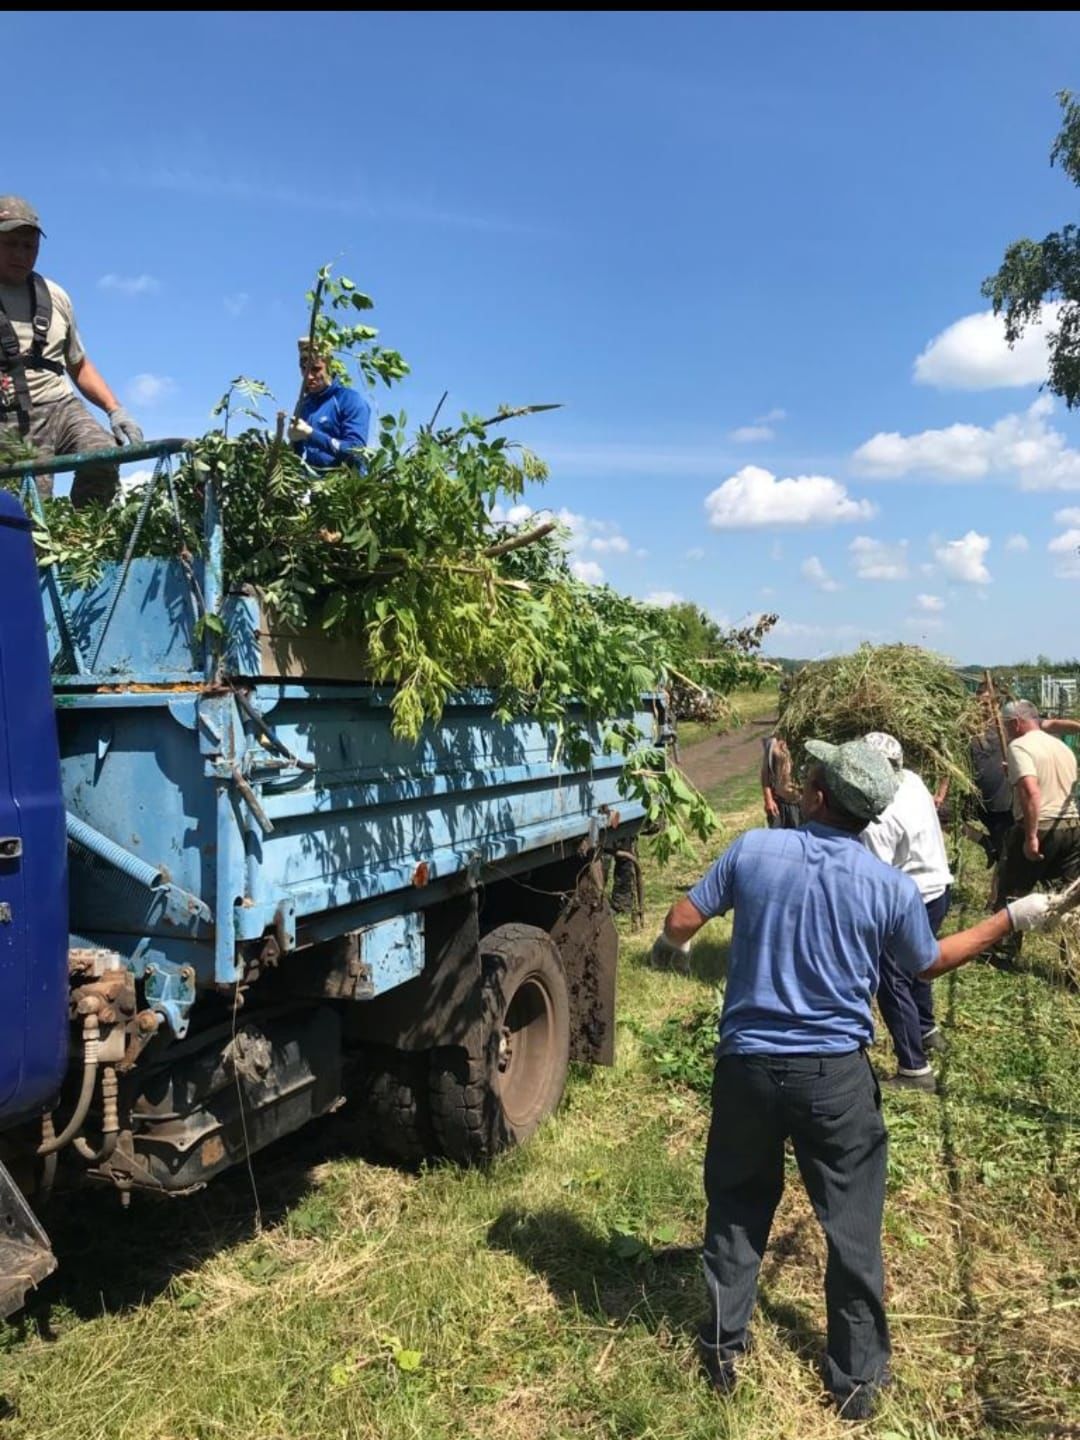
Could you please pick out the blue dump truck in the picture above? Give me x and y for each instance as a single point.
(232, 901)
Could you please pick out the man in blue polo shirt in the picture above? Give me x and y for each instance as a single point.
(331, 426)
(814, 913)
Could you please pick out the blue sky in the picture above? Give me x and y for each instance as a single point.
(743, 250)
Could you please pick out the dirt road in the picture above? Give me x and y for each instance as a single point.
(723, 757)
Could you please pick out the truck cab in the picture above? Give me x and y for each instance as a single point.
(33, 884)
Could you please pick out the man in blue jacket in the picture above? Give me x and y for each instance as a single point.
(331, 427)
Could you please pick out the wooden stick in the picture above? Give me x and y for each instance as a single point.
(989, 681)
(516, 542)
(687, 681)
(315, 304)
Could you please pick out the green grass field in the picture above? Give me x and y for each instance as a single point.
(556, 1295)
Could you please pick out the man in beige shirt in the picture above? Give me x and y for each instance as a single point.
(1044, 843)
(39, 349)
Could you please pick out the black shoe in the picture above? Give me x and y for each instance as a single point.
(720, 1374)
(860, 1404)
(935, 1040)
(926, 1082)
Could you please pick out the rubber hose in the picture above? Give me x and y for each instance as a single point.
(91, 1034)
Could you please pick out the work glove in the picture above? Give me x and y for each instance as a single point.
(299, 431)
(665, 952)
(124, 428)
(1031, 912)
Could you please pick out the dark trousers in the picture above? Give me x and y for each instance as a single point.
(830, 1107)
(906, 1002)
(1059, 847)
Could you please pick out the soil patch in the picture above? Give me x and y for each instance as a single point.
(726, 757)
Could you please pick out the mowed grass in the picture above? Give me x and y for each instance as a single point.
(556, 1294)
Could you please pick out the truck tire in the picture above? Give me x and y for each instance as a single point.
(495, 1098)
(393, 1094)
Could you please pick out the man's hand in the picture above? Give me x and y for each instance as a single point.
(665, 952)
(772, 809)
(124, 429)
(1031, 912)
(299, 431)
(1031, 847)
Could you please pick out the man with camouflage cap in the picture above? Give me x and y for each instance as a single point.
(813, 913)
(39, 349)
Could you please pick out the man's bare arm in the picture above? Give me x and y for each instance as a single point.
(91, 384)
(683, 921)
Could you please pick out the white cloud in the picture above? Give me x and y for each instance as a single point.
(130, 284)
(695, 553)
(602, 537)
(923, 623)
(134, 479)
(663, 598)
(1020, 542)
(515, 515)
(965, 559)
(587, 570)
(236, 304)
(875, 560)
(609, 544)
(755, 497)
(147, 389)
(760, 429)
(972, 354)
(929, 602)
(1067, 546)
(747, 434)
(1069, 516)
(792, 632)
(1023, 444)
(814, 571)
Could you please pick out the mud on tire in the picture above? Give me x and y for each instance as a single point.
(486, 1102)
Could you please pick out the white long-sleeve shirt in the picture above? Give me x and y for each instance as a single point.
(907, 835)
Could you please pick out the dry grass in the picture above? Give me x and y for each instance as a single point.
(908, 692)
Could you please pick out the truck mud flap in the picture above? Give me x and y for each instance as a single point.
(589, 946)
(26, 1256)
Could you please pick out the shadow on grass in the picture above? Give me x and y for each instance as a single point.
(659, 1288)
(708, 962)
(113, 1260)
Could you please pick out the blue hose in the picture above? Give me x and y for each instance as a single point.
(105, 849)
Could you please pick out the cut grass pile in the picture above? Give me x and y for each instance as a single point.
(556, 1295)
(908, 692)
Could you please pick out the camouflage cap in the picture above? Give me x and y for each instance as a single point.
(15, 213)
(889, 746)
(858, 777)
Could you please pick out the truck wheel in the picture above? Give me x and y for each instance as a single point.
(393, 1094)
(486, 1102)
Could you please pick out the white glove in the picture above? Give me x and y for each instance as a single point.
(1031, 912)
(666, 952)
(299, 431)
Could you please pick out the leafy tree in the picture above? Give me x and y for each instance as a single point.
(1048, 269)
